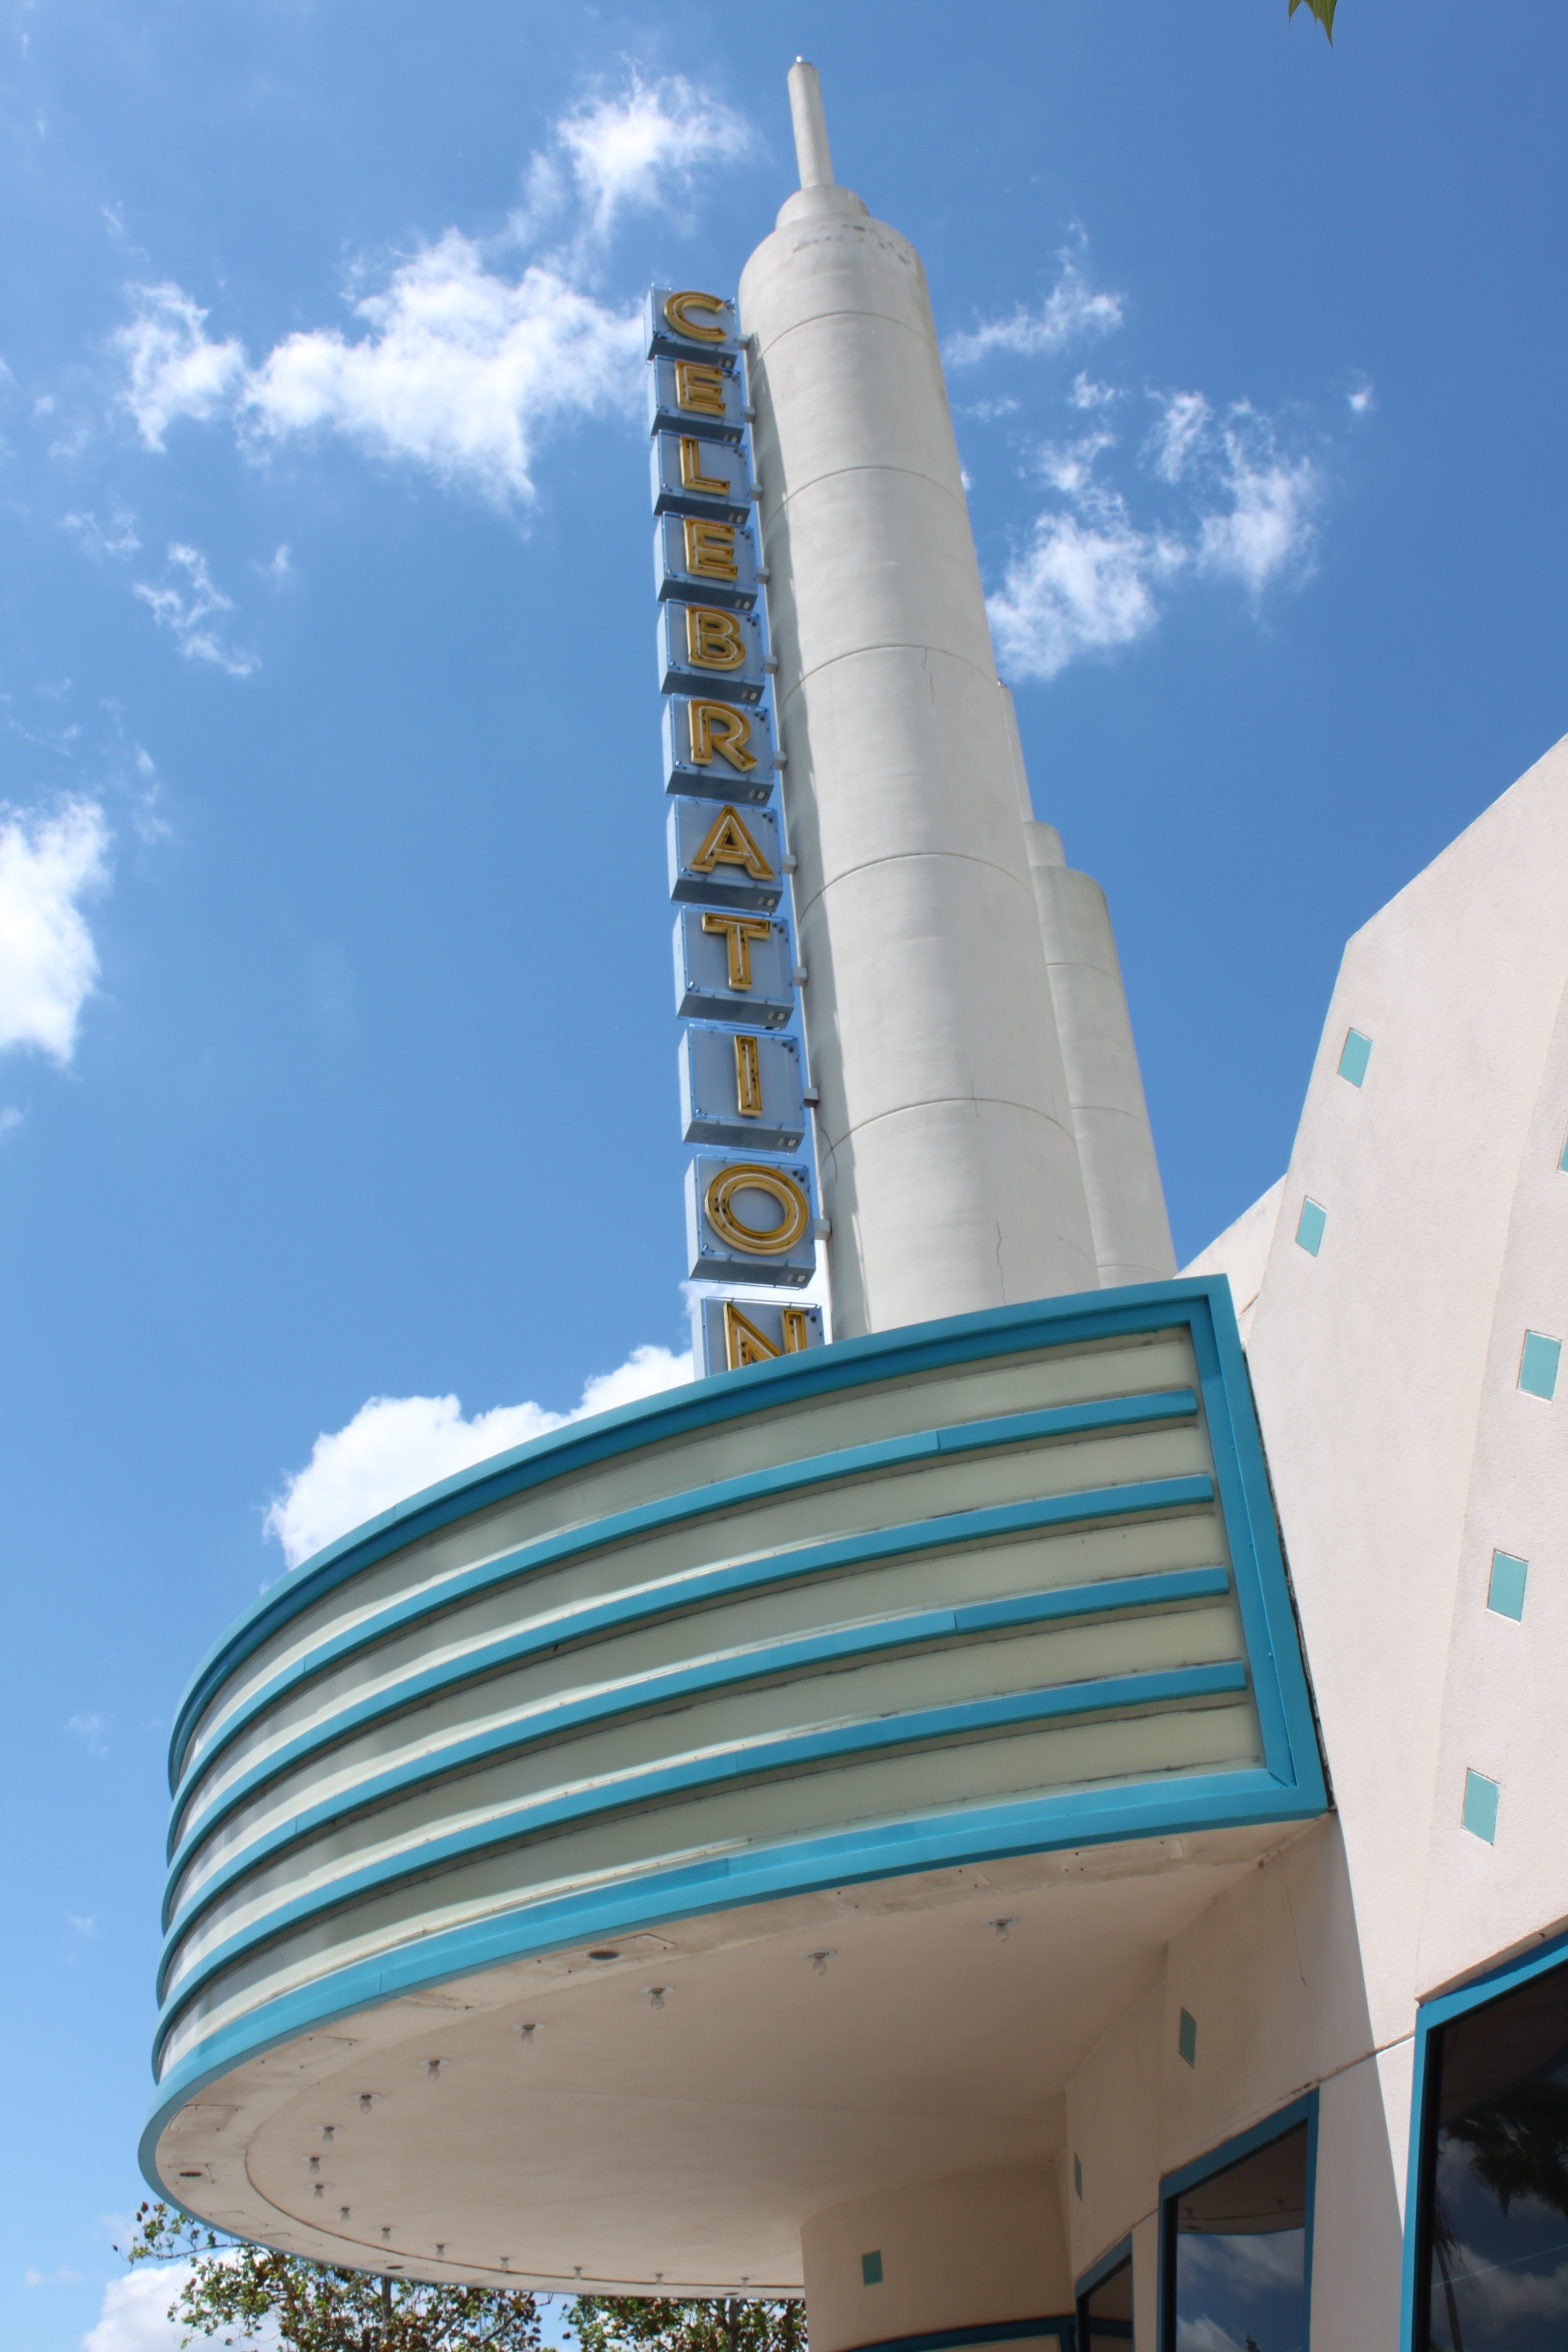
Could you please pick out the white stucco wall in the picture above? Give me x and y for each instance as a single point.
(1402, 1453)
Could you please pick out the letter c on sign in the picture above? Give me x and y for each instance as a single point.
(677, 309)
(723, 1211)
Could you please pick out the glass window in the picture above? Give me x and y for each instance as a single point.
(1105, 2310)
(1236, 2253)
(1494, 2160)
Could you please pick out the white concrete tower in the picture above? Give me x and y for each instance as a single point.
(950, 1165)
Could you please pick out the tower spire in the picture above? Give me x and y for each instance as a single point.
(811, 126)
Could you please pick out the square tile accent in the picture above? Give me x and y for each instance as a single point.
(1505, 1588)
(1354, 1056)
(871, 2270)
(1538, 1362)
(1480, 1807)
(1187, 2037)
(1309, 1227)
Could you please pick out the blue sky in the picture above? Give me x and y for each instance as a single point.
(336, 1042)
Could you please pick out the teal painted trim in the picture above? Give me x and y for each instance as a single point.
(1310, 1226)
(1268, 1616)
(1229, 2152)
(1354, 1055)
(1098, 2272)
(1502, 1976)
(1539, 1360)
(778, 1661)
(1478, 1813)
(1507, 1584)
(688, 1594)
(1178, 1806)
(995, 2331)
(789, 1752)
(1102, 1417)
(789, 1380)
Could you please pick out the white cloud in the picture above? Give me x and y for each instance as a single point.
(1083, 585)
(1184, 422)
(173, 368)
(641, 150)
(136, 2312)
(116, 537)
(394, 1446)
(1092, 575)
(48, 964)
(90, 1730)
(1267, 527)
(1072, 310)
(188, 605)
(462, 369)
(10, 1118)
(462, 359)
(1361, 399)
(85, 1925)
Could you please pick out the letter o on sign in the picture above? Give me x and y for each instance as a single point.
(730, 1212)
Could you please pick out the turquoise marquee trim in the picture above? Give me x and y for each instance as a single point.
(703, 1404)
(1182, 1806)
(790, 1752)
(546, 1552)
(1116, 1597)
(1288, 1787)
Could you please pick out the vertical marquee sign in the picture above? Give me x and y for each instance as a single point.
(750, 1219)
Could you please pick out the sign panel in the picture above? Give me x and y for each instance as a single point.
(696, 477)
(707, 649)
(741, 1088)
(699, 396)
(731, 965)
(724, 856)
(702, 557)
(716, 747)
(749, 1221)
(686, 324)
(738, 1332)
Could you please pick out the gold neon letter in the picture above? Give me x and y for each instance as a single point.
(710, 550)
(728, 843)
(797, 1331)
(737, 932)
(719, 1202)
(748, 1078)
(714, 639)
(692, 475)
(699, 388)
(677, 315)
(716, 727)
(745, 1344)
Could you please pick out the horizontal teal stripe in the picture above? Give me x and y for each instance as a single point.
(1103, 1416)
(791, 1752)
(1143, 1310)
(1171, 1805)
(701, 1589)
(643, 1694)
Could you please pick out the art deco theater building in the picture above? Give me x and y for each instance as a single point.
(1042, 1817)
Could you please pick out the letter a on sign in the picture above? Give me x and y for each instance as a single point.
(728, 843)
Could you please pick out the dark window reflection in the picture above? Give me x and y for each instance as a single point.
(1496, 2176)
(1105, 2312)
(1238, 2253)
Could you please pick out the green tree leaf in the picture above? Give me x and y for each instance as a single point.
(1323, 10)
(243, 2294)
